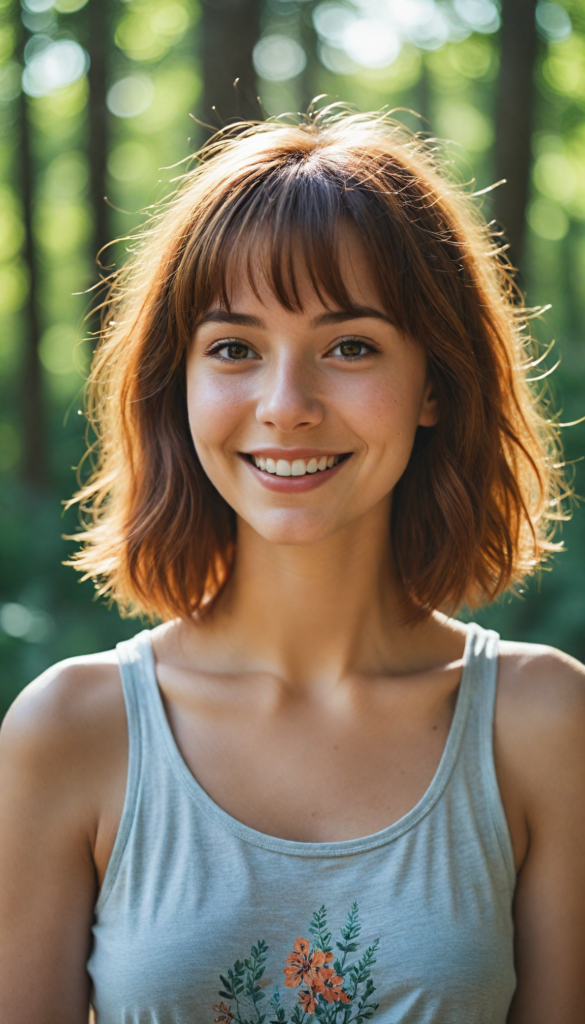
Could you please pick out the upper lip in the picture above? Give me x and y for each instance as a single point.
(290, 454)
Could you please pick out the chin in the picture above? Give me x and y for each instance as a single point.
(286, 527)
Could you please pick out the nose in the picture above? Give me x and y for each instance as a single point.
(288, 400)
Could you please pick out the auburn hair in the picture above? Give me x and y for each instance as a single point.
(473, 512)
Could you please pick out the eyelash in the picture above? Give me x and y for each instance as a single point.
(370, 350)
(216, 349)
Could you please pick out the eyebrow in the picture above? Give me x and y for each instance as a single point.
(342, 315)
(222, 316)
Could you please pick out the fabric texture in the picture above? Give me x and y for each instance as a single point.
(203, 919)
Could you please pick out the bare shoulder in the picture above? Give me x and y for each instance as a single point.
(540, 726)
(541, 681)
(62, 769)
(69, 720)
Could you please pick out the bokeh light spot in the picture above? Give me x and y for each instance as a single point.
(548, 220)
(278, 58)
(465, 125)
(57, 349)
(13, 287)
(130, 96)
(66, 176)
(37, 6)
(372, 43)
(555, 176)
(331, 20)
(172, 20)
(52, 65)
(63, 227)
(25, 623)
(553, 22)
(336, 60)
(473, 58)
(138, 38)
(130, 161)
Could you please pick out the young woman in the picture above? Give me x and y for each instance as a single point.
(309, 793)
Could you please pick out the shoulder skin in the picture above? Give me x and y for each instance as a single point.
(63, 753)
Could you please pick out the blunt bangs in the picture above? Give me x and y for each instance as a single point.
(291, 225)
(474, 512)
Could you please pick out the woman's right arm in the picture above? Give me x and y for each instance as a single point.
(61, 785)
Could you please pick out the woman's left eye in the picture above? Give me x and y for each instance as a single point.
(351, 348)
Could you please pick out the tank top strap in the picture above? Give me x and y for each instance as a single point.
(476, 759)
(480, 676)
(140, 686)
(142, 702)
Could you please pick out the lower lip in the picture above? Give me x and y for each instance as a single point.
(294, 484)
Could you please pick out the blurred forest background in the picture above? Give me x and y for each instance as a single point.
(95, 97)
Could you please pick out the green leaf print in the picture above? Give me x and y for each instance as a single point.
(327, 989)
(278, 1015)
(318, 929)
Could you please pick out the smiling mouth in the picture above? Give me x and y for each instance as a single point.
(298, 467)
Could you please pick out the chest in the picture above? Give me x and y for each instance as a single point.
(317, 772)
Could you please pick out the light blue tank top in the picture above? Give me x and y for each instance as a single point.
(203, 919)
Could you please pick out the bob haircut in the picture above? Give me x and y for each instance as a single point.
(471, 514)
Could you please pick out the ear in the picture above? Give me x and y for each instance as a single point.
(429, 410)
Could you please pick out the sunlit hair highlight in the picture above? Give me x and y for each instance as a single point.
(474, 511)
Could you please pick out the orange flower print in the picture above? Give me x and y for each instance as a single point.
(304, 965)
(307, 1001)
(330, 987)
(321, 981)
(225, 1015)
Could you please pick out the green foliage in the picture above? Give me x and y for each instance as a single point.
(153, 44)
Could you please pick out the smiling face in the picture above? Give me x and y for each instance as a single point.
(305, 421)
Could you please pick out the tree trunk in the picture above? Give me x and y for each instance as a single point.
(514, 112)
(229, 31)
(99, 24)
(423, 97)
(33, 408)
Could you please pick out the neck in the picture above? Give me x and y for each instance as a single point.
(321, 610)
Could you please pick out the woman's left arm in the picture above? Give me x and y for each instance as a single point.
(540, 753)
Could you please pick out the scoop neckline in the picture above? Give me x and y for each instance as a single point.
(335, 848)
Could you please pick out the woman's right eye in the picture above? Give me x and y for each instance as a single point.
(232, 351)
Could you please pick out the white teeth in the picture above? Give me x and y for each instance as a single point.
(298, 467)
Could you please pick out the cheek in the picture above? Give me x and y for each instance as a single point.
(216, 407)
(382, 409)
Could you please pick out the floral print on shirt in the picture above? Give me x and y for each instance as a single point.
(332, 987)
